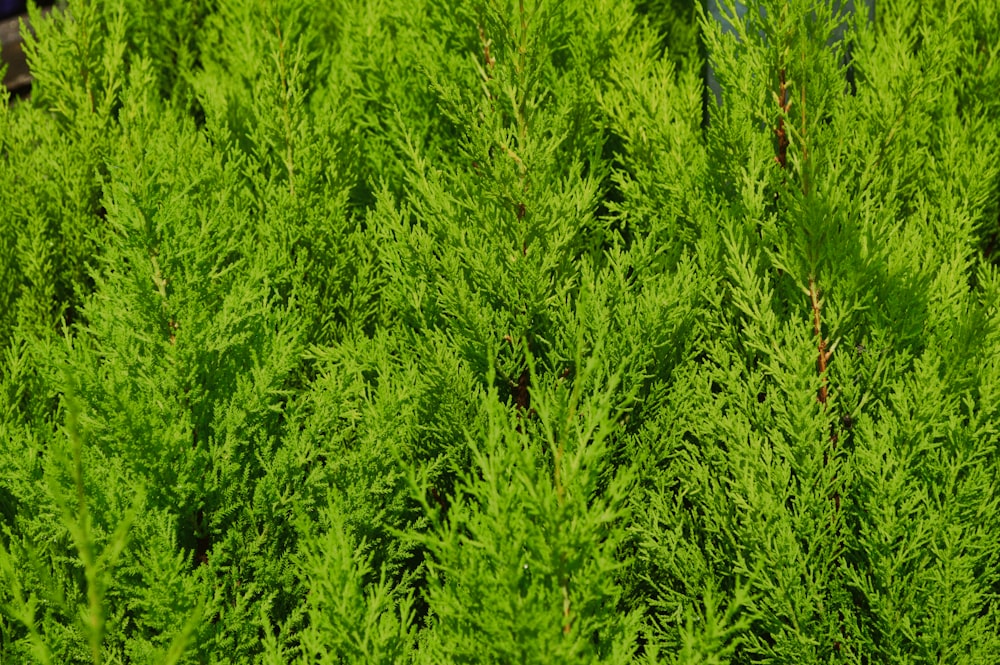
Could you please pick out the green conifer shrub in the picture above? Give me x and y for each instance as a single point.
(420, 332)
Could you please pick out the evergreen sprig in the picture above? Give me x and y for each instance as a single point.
(420, 332)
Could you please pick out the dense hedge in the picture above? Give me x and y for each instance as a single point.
(399, 331)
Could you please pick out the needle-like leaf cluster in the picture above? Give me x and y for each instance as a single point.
(404, 331)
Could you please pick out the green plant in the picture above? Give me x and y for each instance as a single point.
(415, 332)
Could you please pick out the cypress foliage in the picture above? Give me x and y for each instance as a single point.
(418, 332)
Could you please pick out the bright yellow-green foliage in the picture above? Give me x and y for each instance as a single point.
(413, 331)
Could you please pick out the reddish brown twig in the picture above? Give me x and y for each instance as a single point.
(567, 624)
(488, 60)
(784, 104)
(824, 355)
(522, 395)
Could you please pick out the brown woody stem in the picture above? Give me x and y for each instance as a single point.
(784, 105)
(824, 355)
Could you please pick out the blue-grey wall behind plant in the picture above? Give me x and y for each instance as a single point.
(721, 14)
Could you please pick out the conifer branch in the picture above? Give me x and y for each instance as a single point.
(824, 355)
(522, 84)
(803, 136)
(286, 102)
